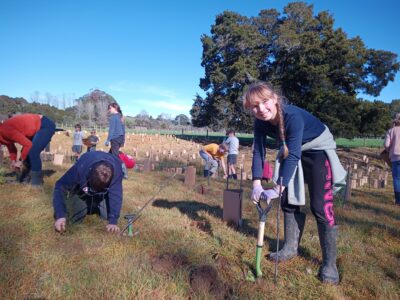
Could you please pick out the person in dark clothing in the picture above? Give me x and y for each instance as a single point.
(33, 132)
(93, 139)
(93, 185)
(302, 155)
(116, 132)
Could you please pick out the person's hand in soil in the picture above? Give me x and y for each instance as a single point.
(59, 225)
(112, 228)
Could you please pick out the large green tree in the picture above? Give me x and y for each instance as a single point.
(228, 56)
(316, 66)
(373, 118)
(394, 107)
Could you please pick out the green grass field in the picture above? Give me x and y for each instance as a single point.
(185, 251)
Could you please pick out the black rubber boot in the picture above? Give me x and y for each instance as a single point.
(294, 226)
(327, 239)
(36, 179)
(397, 198)
(25, 177)
(234, 176)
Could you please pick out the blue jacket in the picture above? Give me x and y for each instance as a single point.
(77, 175)
(300, 127)
(116, 128)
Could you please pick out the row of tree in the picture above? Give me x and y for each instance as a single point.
(316, 66)
(9, 106)
(89, 110)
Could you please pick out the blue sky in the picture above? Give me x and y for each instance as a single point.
(146, 54)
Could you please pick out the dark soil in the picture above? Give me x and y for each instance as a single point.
(167, 263)
(202, 225)
(204, 281)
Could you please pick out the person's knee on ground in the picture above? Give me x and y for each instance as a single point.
(77, 208)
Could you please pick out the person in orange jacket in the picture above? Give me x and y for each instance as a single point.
(213, 155)
(33, 132)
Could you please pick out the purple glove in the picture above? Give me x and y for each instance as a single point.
(269, 195)
(256, 193)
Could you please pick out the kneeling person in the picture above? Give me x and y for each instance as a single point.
(93, 185)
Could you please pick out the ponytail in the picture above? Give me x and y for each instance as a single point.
(281, 125)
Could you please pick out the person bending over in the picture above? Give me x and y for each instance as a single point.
(93, 185)
(213, 154)
(33, 132)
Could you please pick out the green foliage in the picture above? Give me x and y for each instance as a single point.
(374, 118)
(394, 107)
(9, 105)
(316, 66)
(182, 119)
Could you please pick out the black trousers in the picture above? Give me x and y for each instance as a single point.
(79, 205)
(116, 144)
(318, 176)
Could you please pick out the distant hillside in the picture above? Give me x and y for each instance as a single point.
(9, 105)
(91, 108)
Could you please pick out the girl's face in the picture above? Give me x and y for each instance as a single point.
(77, 129)
(112, 110)
(265, 108)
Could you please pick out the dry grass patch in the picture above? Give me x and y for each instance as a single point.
(184, 249)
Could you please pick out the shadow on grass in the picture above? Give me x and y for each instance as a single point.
(10, 174)
(376, 210)
(192, 209)
(371, 194)
(48, 173)
(366, 226)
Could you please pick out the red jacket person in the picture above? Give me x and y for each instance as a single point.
(33, 132)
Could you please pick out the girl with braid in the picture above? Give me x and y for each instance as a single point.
(307, 155)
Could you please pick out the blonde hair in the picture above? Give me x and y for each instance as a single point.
(263, 90)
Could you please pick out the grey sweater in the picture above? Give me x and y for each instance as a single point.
(296, 192)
